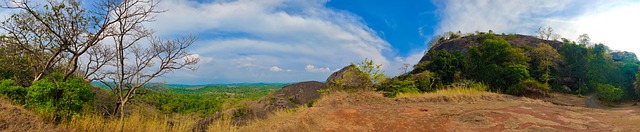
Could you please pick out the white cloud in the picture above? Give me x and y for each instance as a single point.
(275, 68)
(203, 60)
(249, 37)
(312, 68)
(278, 69)
(611, 22)
(509, 16)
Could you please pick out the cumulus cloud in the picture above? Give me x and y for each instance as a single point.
(509, 16)
(248, 37)
(202, 59)
(275, 68)
(312, 68)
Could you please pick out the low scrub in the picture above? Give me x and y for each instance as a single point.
(53, 100)
(472, 90)
(528, 87)
(609, 92)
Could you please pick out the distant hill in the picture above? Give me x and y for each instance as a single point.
(186, 86)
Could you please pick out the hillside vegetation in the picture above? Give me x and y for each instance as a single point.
(523, 65)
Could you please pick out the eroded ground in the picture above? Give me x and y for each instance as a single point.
(487, 112)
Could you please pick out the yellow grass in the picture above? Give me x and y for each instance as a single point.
(143, 118)
(132, 123)
(456, 91)
(285, 120)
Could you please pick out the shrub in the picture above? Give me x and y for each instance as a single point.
(425, 81)
(13, 91)
(528, 85)
(608, 92)
(60, 101)
(395, 86)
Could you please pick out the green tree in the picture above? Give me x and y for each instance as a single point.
(59, 100)
(496, 63)
(625, 67)
(446, 66)
(544, 58)
(574, 66)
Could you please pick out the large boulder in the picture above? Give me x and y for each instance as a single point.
(300, 93)
(348, 78)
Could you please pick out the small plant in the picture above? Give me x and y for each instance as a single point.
(291, 100)
(312, 102)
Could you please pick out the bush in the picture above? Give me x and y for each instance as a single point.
(60, 101)
(608, 92)
(395, 86)
(425, 81)
(529, 85)
(13, 91)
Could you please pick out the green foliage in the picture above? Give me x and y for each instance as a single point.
(204, 100)
(312, 102)
(395, 86)
(13, 91)
(425, 81)
(635, 84)
(420, 67)
(361, 77)
(447, 67)
(14, 63)
(371, 71)
(608, 92)
(574, 68)
(543, 60)
(599, 64)
(496, 63)
(520, 88)
(59, 101)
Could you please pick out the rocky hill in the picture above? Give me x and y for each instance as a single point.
(464, 43)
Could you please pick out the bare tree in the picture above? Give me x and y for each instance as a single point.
(136, 65)
(547, 33)
(60, 33)
(584, 39)
(405, 67)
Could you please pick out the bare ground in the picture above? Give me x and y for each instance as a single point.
(16, 119)
(484, 112)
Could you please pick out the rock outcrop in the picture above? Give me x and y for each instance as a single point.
(347, 78)
(464, 43)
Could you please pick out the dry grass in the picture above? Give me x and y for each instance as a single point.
(285, 120)
(143, 118)
(17, 119)
(133, 123)
(457, 91)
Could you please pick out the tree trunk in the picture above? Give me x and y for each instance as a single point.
(122, 103)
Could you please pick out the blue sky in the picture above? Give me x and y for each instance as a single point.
(299, 40)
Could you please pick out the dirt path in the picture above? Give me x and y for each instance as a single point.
(591, 101)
